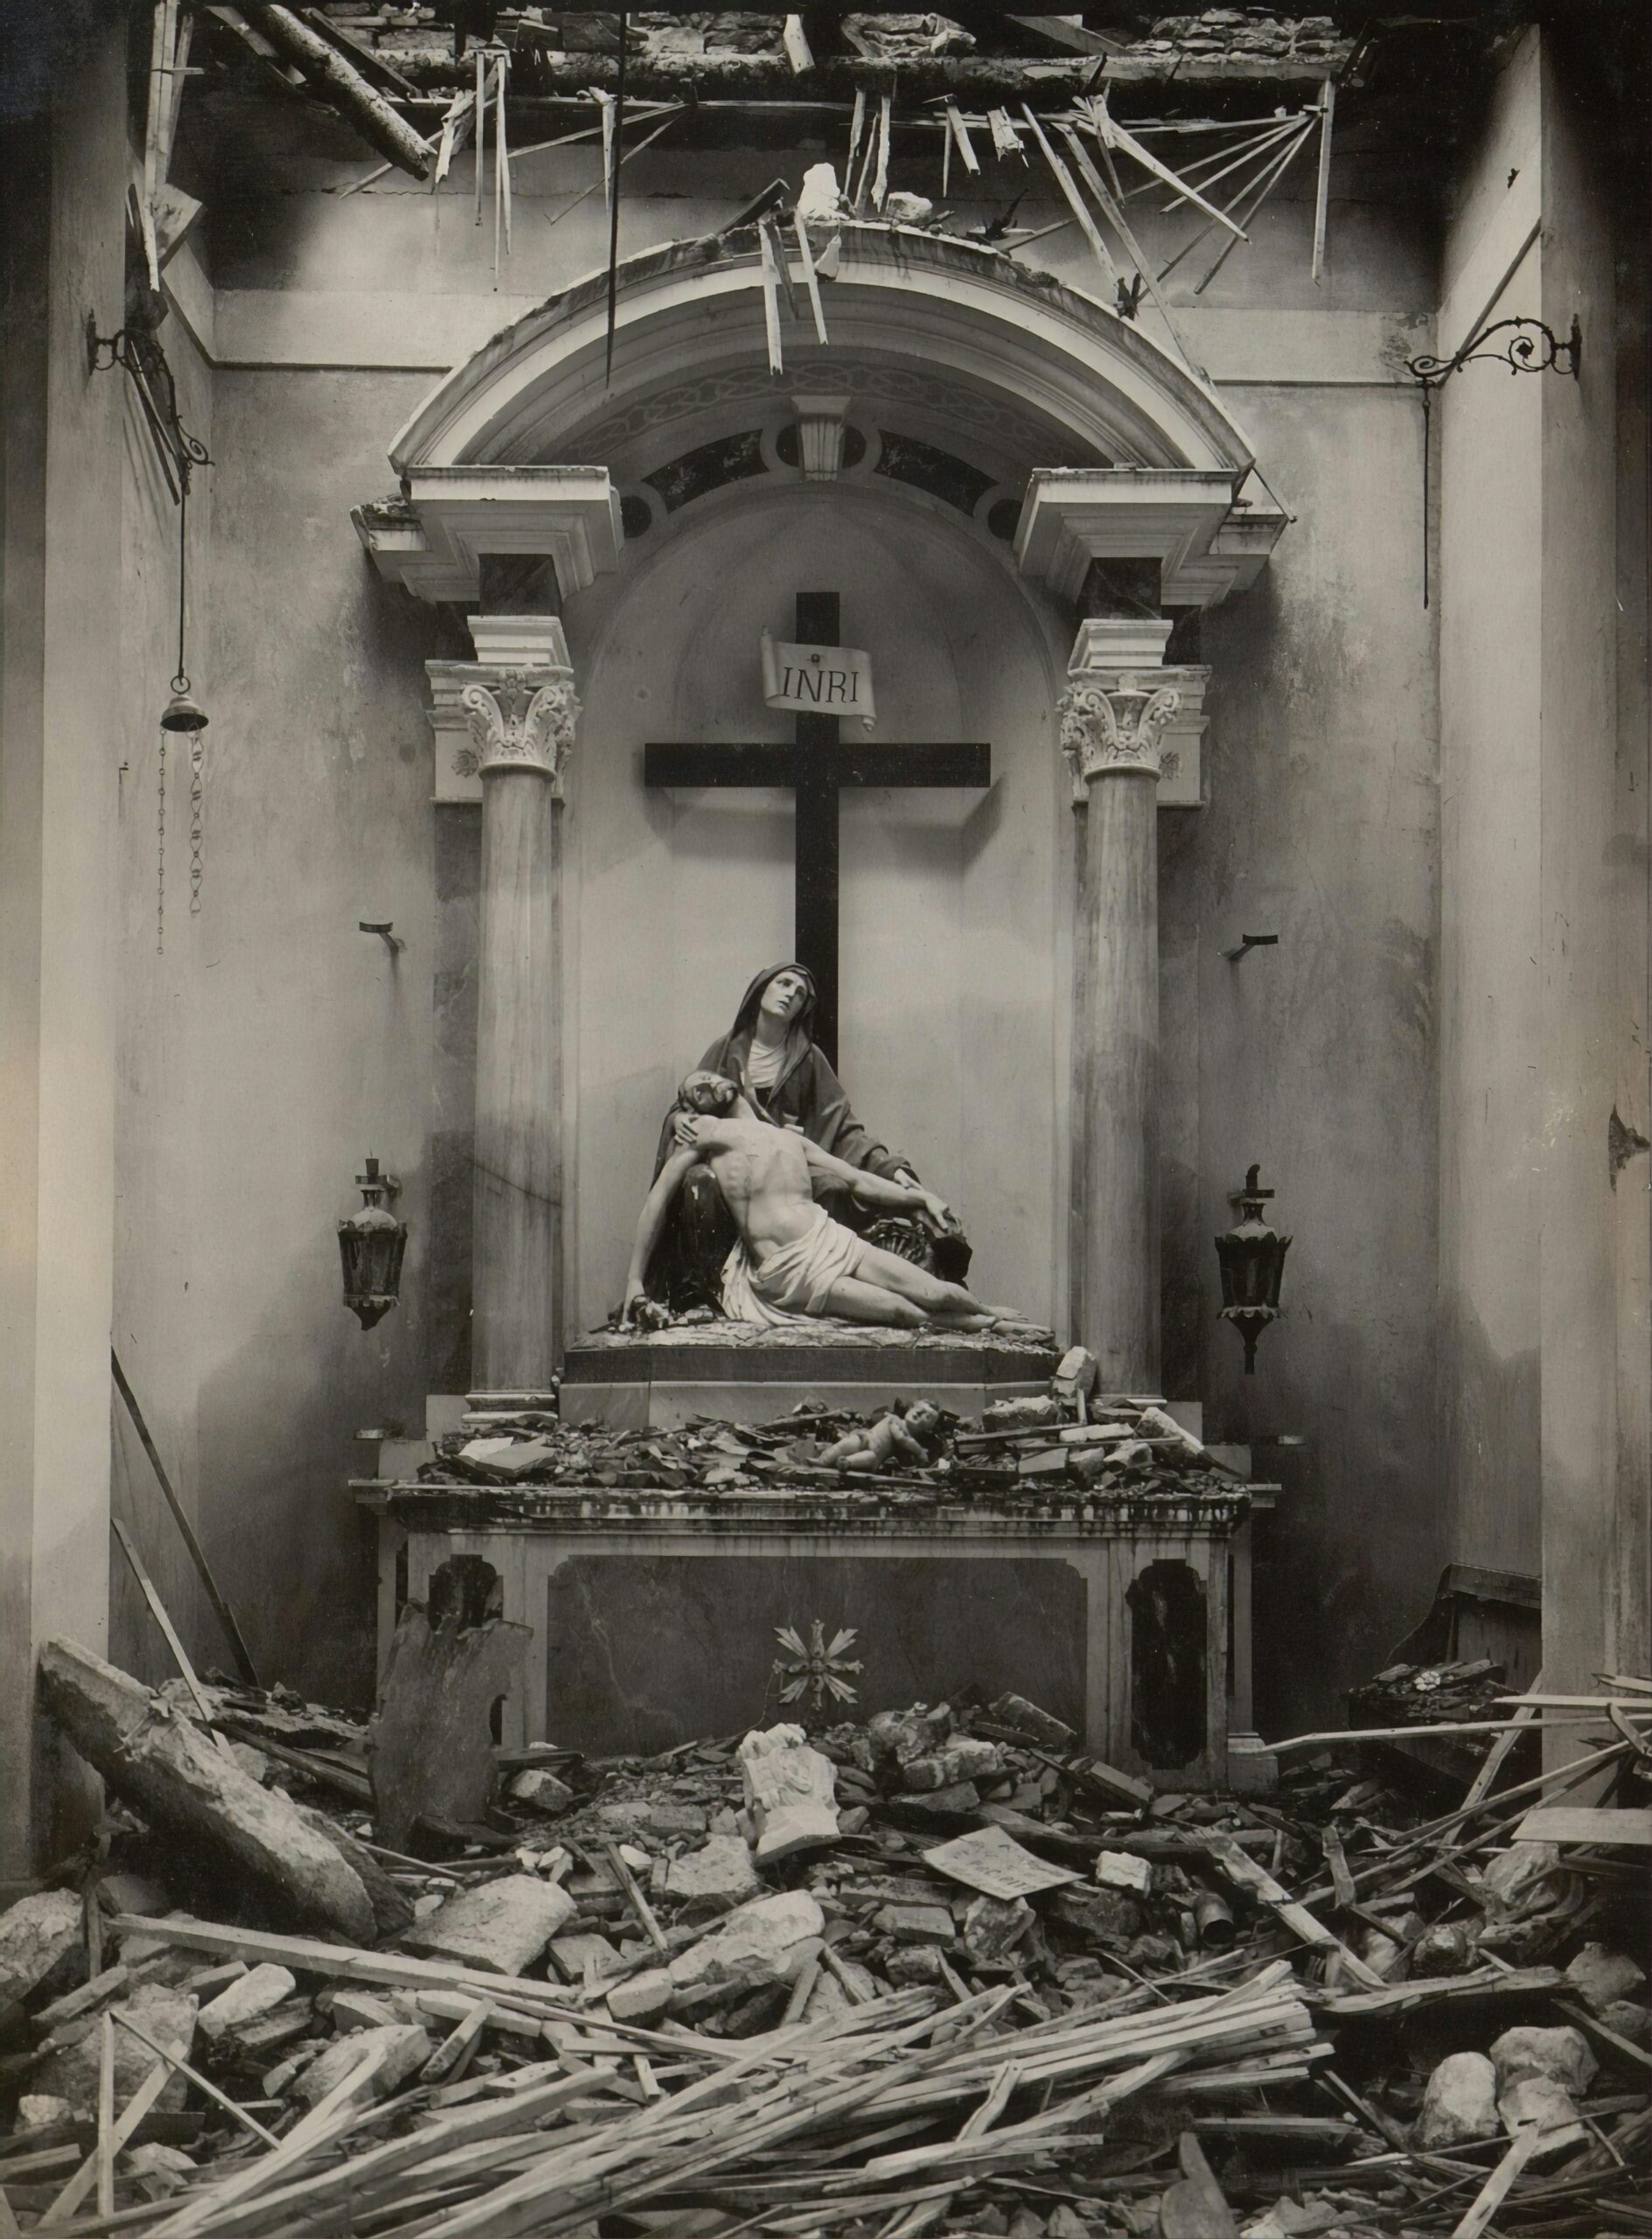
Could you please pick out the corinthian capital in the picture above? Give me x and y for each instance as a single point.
(522, 720)
(1117, 725)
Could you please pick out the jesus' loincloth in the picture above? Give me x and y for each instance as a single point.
(795, 1280)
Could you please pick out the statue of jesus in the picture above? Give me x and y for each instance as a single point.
(771, 1054)
(791, 1262)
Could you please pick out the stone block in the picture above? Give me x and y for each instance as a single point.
(1460, 2101)
(354, 2010)
(715, 1878)
(42, 2111)
(762, 1942)
(249, 1998)
(406, 2047)
(35, 1934)
(642, 1999)
(1037, 1725)
(666, 1820)
(1121, 1869)
(1560, 2056)
(915, 1923)
(500, 1927)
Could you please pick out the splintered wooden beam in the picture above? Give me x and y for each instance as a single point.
(334, 75)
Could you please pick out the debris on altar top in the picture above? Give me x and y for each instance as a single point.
(778, 1981)
(1069, 1445)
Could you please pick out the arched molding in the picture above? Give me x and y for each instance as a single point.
(953, 306)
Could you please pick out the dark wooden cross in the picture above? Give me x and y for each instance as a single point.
(817, 767)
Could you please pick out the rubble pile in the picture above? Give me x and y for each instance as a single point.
(1069, 1442)
(937, 1970)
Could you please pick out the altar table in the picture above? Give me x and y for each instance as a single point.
(655, 1613)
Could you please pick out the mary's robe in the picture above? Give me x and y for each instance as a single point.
(806, 1093)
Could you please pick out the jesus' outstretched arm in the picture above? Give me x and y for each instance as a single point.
(652, 1219)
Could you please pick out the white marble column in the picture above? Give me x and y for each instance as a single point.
(1119, 702)
(516, 703)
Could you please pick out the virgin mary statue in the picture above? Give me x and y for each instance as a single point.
(772, 1052)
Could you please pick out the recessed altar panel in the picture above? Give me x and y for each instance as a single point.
(952, 947)
(645, 1652)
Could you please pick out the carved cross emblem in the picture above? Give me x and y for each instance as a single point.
(819, 1669)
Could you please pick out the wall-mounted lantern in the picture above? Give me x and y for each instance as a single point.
(371, 1244)
(1252, 1260)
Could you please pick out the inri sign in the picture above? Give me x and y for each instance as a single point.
(817, 680)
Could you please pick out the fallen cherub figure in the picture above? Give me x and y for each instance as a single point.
(911, 1436)
(793, 1262)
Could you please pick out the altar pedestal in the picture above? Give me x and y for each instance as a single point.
(654, 1613)
(739, 1373)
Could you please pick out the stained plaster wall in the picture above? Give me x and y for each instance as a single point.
(1546, 1353)
(329, 320)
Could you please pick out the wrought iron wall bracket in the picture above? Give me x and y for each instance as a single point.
(1528, 347)
(139, 355)
(1532, 347)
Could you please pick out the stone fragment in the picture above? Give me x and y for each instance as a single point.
(252, 1995)
(1120, 1870)
(134, 1893)
(1602, 1977)
(354, 2010)
(255, 2041)
(1537, 2102)
(1512, 1874)
(912, 1963)
(963, 1758)
(42, 2111)
(1075, 1376)
(35, 1934)
(1561, 2056)
(915, 1923)
(71, 2072)
(895, 1738)
(762, 1942)
(1108, 1916)
(1448, 1948)
(1627, 2017)
(1039, 1726)
(541, 1789)
(1066, 2223)
(642, 1999)
(853, 1821)
(992, 1928)
(713, 1879)
(406, 2049)
(1460, 2101)
(573, 1954)
(500, 1927)
(160, 2169)
(945, 1803)
(667, 1819)
(790, 1790)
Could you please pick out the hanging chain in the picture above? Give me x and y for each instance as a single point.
(160, 862)
(197, 775)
